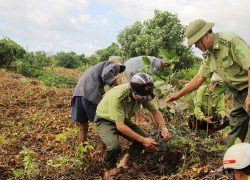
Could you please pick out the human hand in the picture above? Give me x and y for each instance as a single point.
(150, 143)
(208, 119)
(166, 134)
(171, 97)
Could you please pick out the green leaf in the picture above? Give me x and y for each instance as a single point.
(220, 90)
(168, 56)
(238, 140)
(146, 60)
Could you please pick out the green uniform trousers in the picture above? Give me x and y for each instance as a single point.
(110, 136)
(239, 118)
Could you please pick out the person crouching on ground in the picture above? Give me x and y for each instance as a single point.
(209, 108)
(113, 119)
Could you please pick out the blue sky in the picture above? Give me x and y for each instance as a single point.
(84, 26)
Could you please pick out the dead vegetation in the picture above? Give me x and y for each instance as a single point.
(38, 141)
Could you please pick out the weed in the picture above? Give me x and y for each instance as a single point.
(31, 168)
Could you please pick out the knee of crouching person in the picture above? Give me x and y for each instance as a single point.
(115, 146)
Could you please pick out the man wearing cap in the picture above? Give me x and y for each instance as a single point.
(89, 91)
(209, 108)
(236, 161)
(228, 55)
(133, 65)
(113, 119)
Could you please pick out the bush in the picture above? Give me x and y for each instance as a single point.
(68, 60)
(10, 51)
(31, 64)
(186, 74)
(53, 79)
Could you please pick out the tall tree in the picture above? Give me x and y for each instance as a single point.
(113, 49)
(163, 31)
(129, 39)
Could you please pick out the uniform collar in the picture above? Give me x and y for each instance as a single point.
(126, 95)
(216, 46)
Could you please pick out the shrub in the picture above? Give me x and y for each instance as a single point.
(68, 60)
(53, 79)
(186, 74)
(10, 51)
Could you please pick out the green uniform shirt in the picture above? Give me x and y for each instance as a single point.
(229, 58)
(205, 103)
(117, 105)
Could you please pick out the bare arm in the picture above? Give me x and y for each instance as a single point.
(160, 120)
(191, 86)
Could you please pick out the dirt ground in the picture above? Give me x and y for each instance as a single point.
(38, 118)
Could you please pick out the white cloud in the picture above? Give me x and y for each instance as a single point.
(81, 26)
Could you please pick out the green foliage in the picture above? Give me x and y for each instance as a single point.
(221, 89)
(193, 145)
(92, 60)
(53, 79)
(186, 58)
(163, 31)
(112, 50)
(80, 157)
(162, 78)
(186, 74)
(82, 149)
(169, 57)
(72, 131)
(31, 168)
(10, 51)
(60, 137)
(69, 60)
(60, 162)
(128, 39)
(3, 139)
(31, 64)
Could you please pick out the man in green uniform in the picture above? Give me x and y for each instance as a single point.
(209, 108)
(228, 55)
(113, 119)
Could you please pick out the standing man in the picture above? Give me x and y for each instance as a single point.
(113, 119)
(228, 55)
(133, 65)
(89, 91)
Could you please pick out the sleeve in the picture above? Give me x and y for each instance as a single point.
(240, 52)
(156, 64)
(109, 72)
(150, 106)
(197, 104)
(204, 70)
(220, 108)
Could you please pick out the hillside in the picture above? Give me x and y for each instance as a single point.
(38, 141)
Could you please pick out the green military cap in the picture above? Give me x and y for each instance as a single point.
(196, 30)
